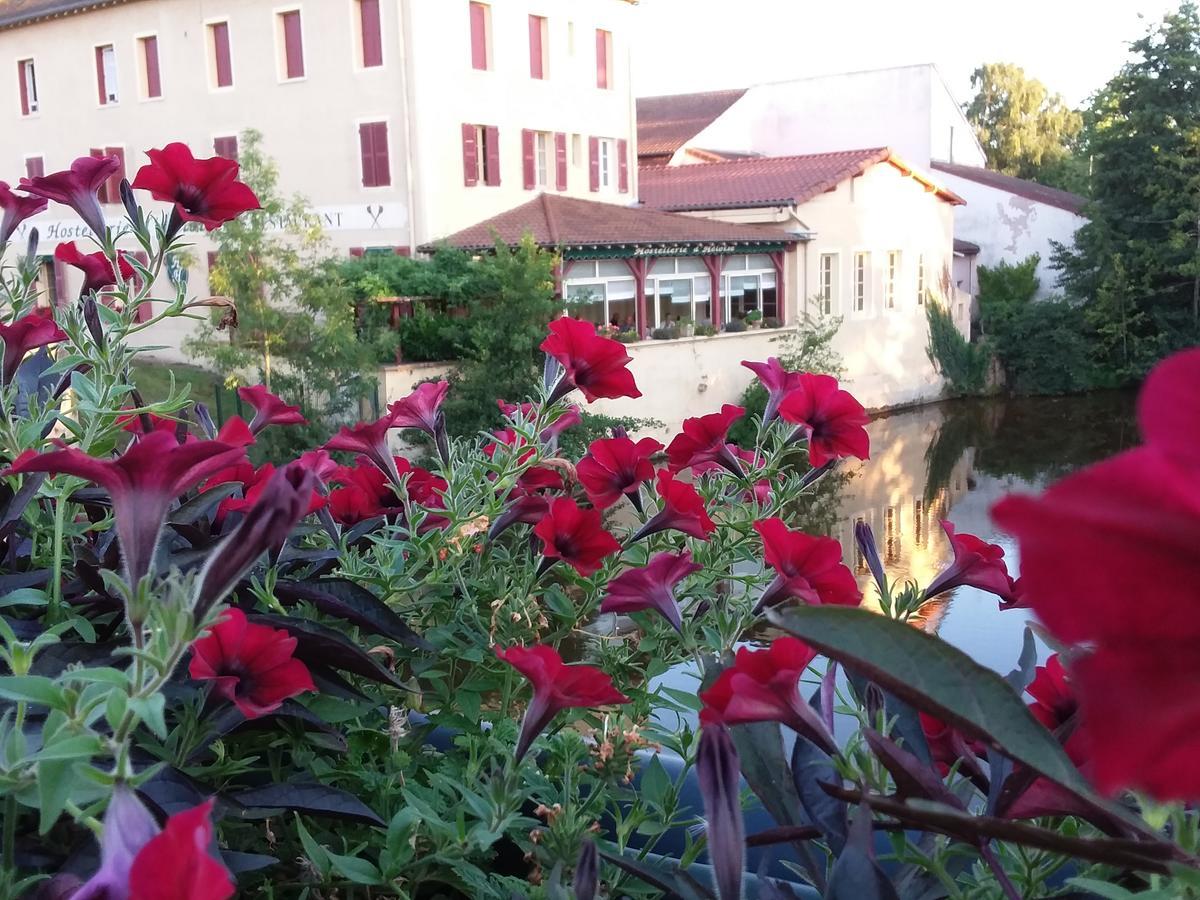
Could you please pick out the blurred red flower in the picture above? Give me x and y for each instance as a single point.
(651, 587)
(269, 409)
(832, 419)
(598, 366)
(33, 330)
(97, 268)
(979, 565)
(76, 187)
(807, 568)
(15, 209)
(703, 441)
(680, 509)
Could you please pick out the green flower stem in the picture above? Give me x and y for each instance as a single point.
(54, 613)
(10, 833)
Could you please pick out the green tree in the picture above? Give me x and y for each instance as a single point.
(1136, 263)
(1025, 130)
(296, 329)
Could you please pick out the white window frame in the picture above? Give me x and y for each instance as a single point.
(281, 45)
(210, 51)
(544, 159)
(652, 290)
(597, 282)
(29, 65)
(112, 91)
(921, 279)
(827, 282)
(606, 153)
(891, 278)
(861, 282)
(728, 274)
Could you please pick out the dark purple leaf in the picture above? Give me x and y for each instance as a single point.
(314, 799)
(810, 766)
(349, 601)
(321, 646)
(912, 777)
(765, 768)
(237, 862)
(856, 875)
(660, 873)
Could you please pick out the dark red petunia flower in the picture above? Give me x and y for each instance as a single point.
(203, 190)
(778, 382)
(703, 441)
(363, 493)
(978, 564)
(831, 418)
(97, 268)
(15, 209)
(764, 686)
(76, 187)
(807, 568)
(250, 665)
(1054, 701)
(319, 462)
(33, 330)
(254, 482)
(556, 686)
(526, 509)
(269, 409)
(177, 865)
(371, 440)
(615, 467)
(422, 408)
(651, 587)
(597, 365)
(142, 482)
(1109, 563)
(680, 509)
(575, 536)
(569, 419)
(947, 746)
(761, 493)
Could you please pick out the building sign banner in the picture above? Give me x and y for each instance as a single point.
(685, 250)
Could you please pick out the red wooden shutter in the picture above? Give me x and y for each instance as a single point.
(623, 166)
(560, 161)
(470, 151)
(366, 151)
(220, 36)
(491, 140)
(34, 167)
(114, 182)
(226, 147)
(479, 54)
(357, 252)
(602, 45)
(594, 163)
(527, 159)
(102, 191)
(402, 251)
(536, 50)
(372, 33)
(383, 169)
(153, 79)
(61, 295)
(293, 45)
(24, 86)
(100, 86)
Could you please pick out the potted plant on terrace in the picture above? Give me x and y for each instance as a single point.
(753, 318)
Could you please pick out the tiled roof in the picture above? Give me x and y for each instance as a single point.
(762, 181)
(23, 12)
(557, 221)
(1030, 190)
(667, 123)
(966, 248)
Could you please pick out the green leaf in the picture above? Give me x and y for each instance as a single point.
(24, 597)
(80, 746)
(937, 678)
(33, 689)
(1102, 888)
(150, 710)
(55, 778)
(360, 871)
(317, 855)
(654, 783)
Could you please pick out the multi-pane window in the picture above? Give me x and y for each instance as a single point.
(481, 35)
(27, 78)
(35, 167)
(679, 290)
(602, 292)
(370, 34)
(893, 275)
(749, 283)
(919, 522)
(542, 150)
(106, 74)
(862, 270)
(828, 281)
(226, 147)
(539, 47)
(291, 41)
(604, 59)
(921, 286)
(373, 148)
(222, 59)
(148, 64)
(481, 154)
(607, 157)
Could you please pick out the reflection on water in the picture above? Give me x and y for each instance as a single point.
(953, 461)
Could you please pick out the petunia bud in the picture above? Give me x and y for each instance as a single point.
(92, 318)
(719, 771)
(130, 204)
(865, 538)
(587, 871)
(62, 886)
(32, 247)
(204, 417)
(283, 503)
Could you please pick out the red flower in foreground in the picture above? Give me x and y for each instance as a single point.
(556, 686)
(764, 686)
(832, 419)
(681, 509)
(703, 441)
(422, 408)
(778, 382)
(203, 190)
(76, 187)
(142, 483)
(251, 665)
(269, 409)
(978, 564)
(651, 587)
(615, 467)
(36, 329)
(569, 419)
(97, 268)
(598, 366)
(176, 864)
(1109, 561)
(16, 209)
(575, 536)
(807, 568)
(371, 440)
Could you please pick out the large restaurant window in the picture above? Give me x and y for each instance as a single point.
(679, 290)
(748, 283)
(602, 292)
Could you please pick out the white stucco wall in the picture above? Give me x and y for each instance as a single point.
(1008, 227)
(908, 108)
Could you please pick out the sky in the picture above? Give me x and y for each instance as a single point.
(1072, 46)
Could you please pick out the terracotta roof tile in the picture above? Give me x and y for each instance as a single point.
(554, 220)
(22, 12)
(966, 248)
(1030, 190)
(667, 123)
(762, 181)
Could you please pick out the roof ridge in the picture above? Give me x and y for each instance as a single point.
(760, 159)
